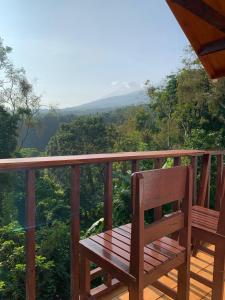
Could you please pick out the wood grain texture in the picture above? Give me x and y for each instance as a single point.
(30, 237)
(57, 161)
(203, 22)
(163, 186)
(75, 231)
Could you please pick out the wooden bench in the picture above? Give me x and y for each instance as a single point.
(209, 226)
(137, 254)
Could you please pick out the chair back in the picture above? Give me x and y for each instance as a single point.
(154, 188)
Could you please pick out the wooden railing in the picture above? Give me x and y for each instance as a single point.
(31, 164)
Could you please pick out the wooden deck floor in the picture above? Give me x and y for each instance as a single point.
(202, 264)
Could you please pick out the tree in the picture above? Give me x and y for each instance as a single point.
(16, 93)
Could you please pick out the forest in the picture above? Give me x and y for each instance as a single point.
(187, 110)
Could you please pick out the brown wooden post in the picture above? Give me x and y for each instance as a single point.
(158, 210)
(75, 231)
(194, 164)
(108, 197)
(176, 162)
(134, 166)
(30, 236)
(204, 179)
(176, 204)
(108, 208)
(219, 172)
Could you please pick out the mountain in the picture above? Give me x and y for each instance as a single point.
(107, 104)
(50, 121)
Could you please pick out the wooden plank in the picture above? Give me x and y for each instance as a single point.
(219, 171)
(165, 226)
(158, 211)
(194, 164)
(75, 231)
(165, 289)
(30, 236)
(206, 162)
(163, 186)
(159, 245)
(134, 166)
(57, 161)
(109, 261)
(212, 47)
(205, 12)
(176, 204)
(108, 197)
(95, 273)
(201, 279)
(104, 290)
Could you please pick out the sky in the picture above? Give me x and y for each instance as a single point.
(76, 51)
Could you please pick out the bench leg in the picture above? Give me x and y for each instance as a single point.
(85, 277)
(218, 274)
(136, 293)
(183, 281)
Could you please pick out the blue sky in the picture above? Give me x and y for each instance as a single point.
(75, 51)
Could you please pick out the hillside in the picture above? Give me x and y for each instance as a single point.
(107, 104)
(49, 122)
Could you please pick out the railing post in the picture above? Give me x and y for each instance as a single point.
(194, 164)
(219, 172)
(75, 231)
(30, 236)
(134, 166)
(204, 181)
(108, 209)
(158, 210)
(108, 197)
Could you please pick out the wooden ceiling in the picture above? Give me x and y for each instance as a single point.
(203, 22)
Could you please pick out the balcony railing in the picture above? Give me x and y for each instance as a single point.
(200, 160)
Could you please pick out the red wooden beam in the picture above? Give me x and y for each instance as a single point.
(30, 236)
(75, 231)
(215, 46)
(108, 197)
(204, 11)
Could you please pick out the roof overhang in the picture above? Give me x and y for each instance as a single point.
(203, 22)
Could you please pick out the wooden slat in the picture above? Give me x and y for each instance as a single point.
(194, 164)
(212, 47)
(101, 290)
(163, 243)
(30, 236)
(108, 197)
(219, 171)
(165, 226)
(109, 261)
(158, 163)
(95, 273)
(108, 208)
(163, 186)
(201, 279)
(75, 231)
(134, 166)
(165, 289)
(126, 246)
(205, 12)
(54, 161)
(206, 162)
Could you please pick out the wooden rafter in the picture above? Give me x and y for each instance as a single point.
(204, 11)
(212, 47)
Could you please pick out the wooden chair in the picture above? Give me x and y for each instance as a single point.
(138, 254)
(209, 226)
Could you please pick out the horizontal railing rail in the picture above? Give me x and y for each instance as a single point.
(201, 196)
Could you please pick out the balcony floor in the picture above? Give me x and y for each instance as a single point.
(202, 264)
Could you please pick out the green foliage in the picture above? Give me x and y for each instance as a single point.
(186, 111)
